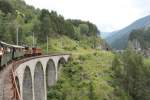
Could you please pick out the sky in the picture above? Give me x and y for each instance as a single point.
(108, 15)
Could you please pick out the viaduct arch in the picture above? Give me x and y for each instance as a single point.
(35, 75)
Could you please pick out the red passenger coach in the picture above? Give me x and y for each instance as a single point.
(33, 51)
(36, 51)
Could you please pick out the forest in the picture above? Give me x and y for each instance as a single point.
(18, 17)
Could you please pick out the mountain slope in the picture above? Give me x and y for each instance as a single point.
(119, 39)
(141, 36)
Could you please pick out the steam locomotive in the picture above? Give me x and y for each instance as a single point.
(9, 52)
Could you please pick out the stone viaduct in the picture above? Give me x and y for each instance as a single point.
(35, 74)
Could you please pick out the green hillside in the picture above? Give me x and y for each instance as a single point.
(88, 76)
(99, 75)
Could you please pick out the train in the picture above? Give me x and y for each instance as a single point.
(9, 52)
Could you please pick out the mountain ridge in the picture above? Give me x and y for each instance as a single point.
(119, 39)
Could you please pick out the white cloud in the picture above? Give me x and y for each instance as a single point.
(108, 15)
